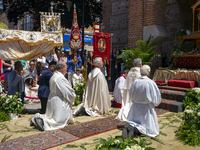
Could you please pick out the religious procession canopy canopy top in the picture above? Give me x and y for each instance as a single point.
(27, 45)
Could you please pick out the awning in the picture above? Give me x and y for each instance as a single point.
(27, 45)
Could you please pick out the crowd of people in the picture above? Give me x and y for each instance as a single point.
(50, 80)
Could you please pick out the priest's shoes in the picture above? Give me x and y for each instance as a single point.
(40, 124)
(31, 123)
(131, 132)
(124, 133)
(80, 111)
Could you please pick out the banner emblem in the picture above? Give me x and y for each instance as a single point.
(101, 45)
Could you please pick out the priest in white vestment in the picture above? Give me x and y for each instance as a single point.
(96, 99)
(59, 105)
(133, 74)
(145, 96)
(118, 90)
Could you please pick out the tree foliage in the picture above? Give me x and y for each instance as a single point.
(4, 26)
(144, 51)
(18, 9)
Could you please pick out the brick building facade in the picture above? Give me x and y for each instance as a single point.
(131, 20)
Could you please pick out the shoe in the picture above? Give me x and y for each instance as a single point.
(120, 126)
(130, 127)
(124, 133)
(40, 124)
(131, 132)
(126, 125)
(31, 123)
(80, 111)
(24, 111)
(136, 132)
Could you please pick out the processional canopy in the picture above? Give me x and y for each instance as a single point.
(28, 45)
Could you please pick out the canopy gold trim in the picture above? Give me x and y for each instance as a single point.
(27, 45)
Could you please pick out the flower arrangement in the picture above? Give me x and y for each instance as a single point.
(11, 104)
(79, 89)
(119, 143)
(189, 131)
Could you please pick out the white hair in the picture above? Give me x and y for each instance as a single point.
(97, 60)
(144, 70)
(137, 62)
(60, 65)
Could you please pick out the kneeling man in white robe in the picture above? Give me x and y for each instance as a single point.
(133, 74)
(59, 105)
(119, 89)
(96, 99)
(142, 117)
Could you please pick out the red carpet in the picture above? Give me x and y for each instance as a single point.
(68, 134)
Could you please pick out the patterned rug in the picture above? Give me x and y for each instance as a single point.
(49, 139)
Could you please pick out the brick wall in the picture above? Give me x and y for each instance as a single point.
(115, 21)
(136, 23)
(172, 14)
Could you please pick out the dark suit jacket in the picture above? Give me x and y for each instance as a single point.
(44, 90)
(13, 80)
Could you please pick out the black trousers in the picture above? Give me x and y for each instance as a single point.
(43, 102)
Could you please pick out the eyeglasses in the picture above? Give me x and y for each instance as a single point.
(32, 64)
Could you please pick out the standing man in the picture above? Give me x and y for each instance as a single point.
(59, 105)
(43, 91)
(114, 66)
(133, 74)
(15, 81)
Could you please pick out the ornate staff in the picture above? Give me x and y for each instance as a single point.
(75, 42)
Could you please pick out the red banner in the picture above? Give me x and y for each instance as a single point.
(75, 37)
(101, 46)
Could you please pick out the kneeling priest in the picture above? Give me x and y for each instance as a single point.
(96, 99)
(142, 117)
(59, 105)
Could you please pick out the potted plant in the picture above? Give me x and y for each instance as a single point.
(189, 131)
(79, 89)
(11, 104)
(119, 143)
(144, 51)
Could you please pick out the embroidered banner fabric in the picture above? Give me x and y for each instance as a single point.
(26, 45)
(50, 22)
(75, 37)
(101, 45)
